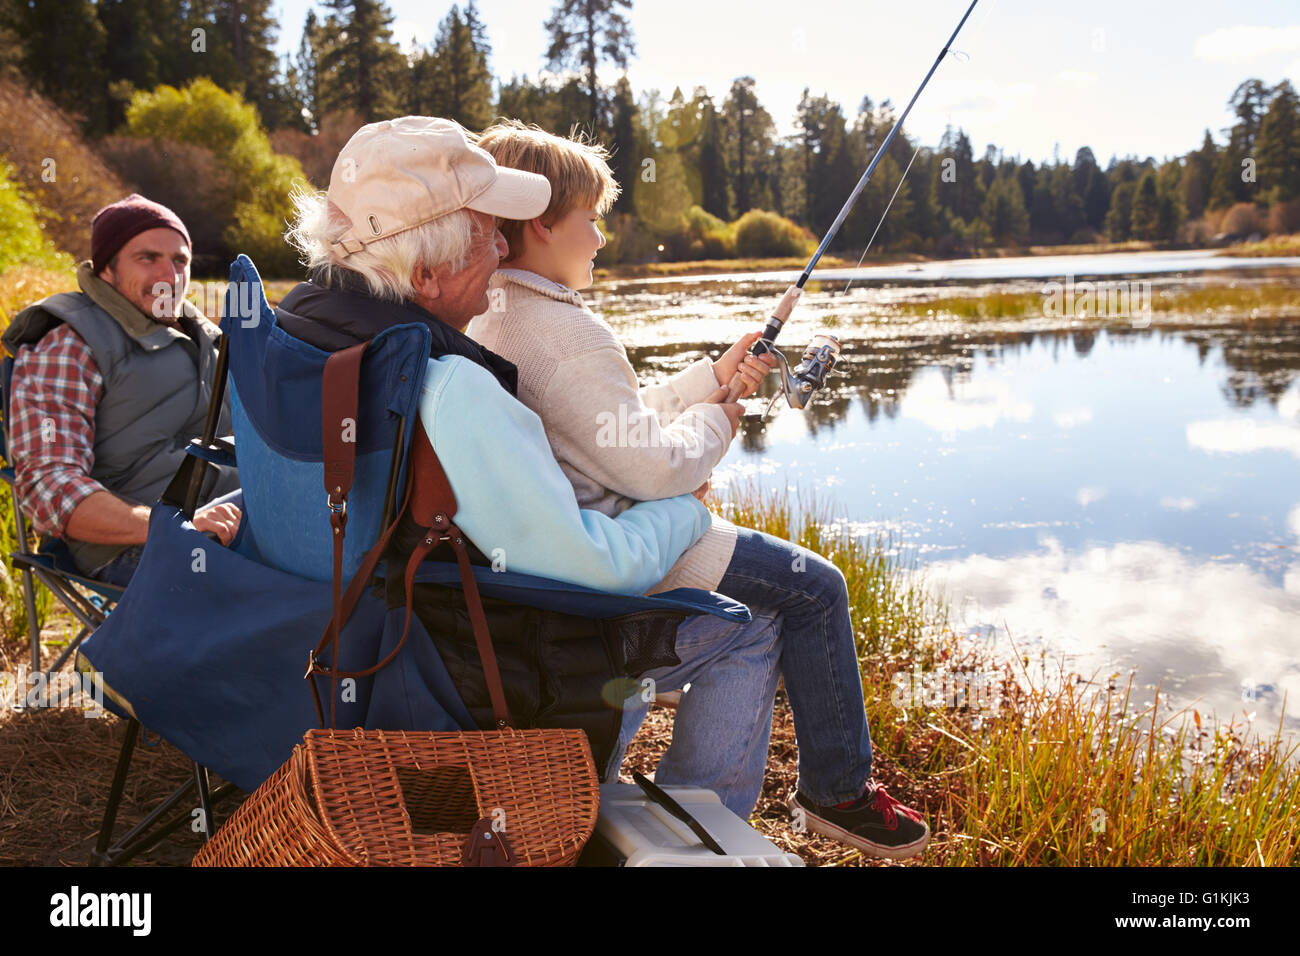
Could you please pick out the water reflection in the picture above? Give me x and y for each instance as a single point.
(1125, 496)
(1221, 636)
(1256, 364)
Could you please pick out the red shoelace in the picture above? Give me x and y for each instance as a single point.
(887, 806)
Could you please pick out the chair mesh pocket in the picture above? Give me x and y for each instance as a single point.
(648, 639)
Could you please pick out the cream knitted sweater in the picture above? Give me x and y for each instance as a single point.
(616, 442)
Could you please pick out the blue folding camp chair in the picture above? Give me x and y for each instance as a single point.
(208, 644)
(87, 600)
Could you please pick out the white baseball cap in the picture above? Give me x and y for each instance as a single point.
(399, 174)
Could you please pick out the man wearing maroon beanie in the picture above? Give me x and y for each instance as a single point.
(109, 386)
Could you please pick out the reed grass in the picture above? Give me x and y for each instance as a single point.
(1066, 774)
(1226, 299)
(1272, 246)
(19, 287)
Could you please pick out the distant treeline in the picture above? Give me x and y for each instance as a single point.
(691, 167)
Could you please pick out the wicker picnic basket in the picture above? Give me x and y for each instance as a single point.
(400, 798)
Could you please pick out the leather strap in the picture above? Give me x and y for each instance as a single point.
(338, 428)
(433, 505)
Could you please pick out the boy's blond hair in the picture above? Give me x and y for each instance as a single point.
(575, 167)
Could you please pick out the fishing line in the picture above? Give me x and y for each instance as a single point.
(961, 57)
(885, 213)
(819, 359)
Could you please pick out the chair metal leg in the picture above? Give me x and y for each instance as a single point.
(115, 791)
(150, 831)
(86, 612)
(205, 800)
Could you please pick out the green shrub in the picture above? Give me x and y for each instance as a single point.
(759, 233)
(22, 241)
(256, 208)
(710, 237)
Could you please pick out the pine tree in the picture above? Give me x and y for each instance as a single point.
(245, 31)
(306, 71)
(621, 142)
(715, 196)
(1232, 181)
(585, 32)
(1278, 145)
(1118, 219)
(359, 66)
(748, 131)
(1197, 175)
(1171, 211)
(453, 80)
(1067, 203)
(954, 183)
(1004, 211)
(1144, 220)
(827, 160)
(59, 50)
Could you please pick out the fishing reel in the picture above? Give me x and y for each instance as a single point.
(799, 384)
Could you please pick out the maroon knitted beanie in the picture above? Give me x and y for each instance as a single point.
(118, 223)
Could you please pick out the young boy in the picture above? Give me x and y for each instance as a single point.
(619, 444)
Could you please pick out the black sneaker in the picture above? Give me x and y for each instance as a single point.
(875, 823)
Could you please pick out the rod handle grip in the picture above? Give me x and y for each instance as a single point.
(778, 318)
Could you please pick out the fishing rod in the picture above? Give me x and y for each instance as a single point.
(819, 358)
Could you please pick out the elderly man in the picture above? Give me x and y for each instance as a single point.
(110, 384)
(406, 233)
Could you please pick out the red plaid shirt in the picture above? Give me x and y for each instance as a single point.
(56, 388)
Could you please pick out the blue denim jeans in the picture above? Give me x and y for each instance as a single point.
(120, 570)
(724, 722)
(819, 659)
(728, 707)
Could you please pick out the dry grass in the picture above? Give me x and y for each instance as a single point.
(59, 169)
(1272, 246)
(20, 286)
(1225, 299)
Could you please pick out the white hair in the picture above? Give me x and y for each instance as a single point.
(386, 264)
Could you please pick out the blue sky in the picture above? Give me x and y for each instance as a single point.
(1121, 76)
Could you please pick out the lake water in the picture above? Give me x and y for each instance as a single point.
(1124, 497)
(1022, 267)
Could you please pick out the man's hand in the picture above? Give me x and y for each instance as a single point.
(221, 520)
(733, 410)
(703, 490)
(752, 368)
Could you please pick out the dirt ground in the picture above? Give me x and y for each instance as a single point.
(56, 766)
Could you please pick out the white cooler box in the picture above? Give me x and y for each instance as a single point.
(634, 831)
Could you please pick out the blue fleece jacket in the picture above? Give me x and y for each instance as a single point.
(518, 507)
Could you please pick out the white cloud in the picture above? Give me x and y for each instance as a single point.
(1288, 406)
(1241, 437)
(1087, 496)
(1235, 44)
(1178, 504)
(1293, 521)
(1202, 627)
(977, 404)
(1079, 79)
(1072, 417)
(1291, 582)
